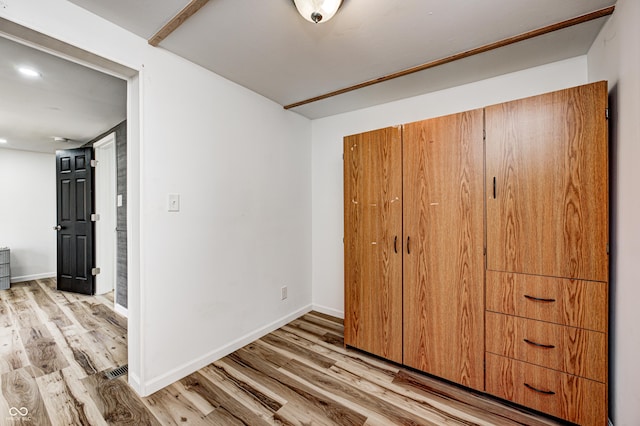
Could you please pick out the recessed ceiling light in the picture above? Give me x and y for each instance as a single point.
(29, 72)
(3, 140)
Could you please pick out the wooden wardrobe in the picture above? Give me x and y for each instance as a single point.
(507, 204)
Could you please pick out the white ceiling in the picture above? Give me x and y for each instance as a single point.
(68, 101)
(267, 47)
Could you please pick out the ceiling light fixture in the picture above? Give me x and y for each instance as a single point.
(3, 140)
(29, 72)
(317, 11)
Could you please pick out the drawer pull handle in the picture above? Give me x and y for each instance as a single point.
(539, 344)
(395, 244)
(546, 392)
(538, 299)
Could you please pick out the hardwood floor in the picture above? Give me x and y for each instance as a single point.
(55, 348)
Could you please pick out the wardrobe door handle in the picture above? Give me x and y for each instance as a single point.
(395, 244)
(494, 187)
(538, 299)
(546, 392)
(408, 248)
(539, 344)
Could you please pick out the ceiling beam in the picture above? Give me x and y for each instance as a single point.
(188, 11)
(487, 47)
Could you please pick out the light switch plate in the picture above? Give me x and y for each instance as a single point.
(173, 201)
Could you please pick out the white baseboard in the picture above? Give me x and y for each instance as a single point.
(134, 382)
(32, 277)
(121, 310)
(329, 311)
(176, 374)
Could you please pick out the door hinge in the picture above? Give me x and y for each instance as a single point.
(484, 135)
(94, 163)
(606, 113)
(95, 217)
(95, 271)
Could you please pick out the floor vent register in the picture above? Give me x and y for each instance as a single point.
(117, 372)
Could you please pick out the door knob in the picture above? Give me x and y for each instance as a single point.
(57, 227)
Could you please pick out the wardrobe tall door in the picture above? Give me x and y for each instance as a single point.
(373, 242)
(547, 190)
(443, 247)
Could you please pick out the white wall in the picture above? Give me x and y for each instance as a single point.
(327, 134)
(615, 56)
(28, 212)
(241, 166)
(207, 279)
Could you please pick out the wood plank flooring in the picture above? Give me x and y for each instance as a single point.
(55, 348)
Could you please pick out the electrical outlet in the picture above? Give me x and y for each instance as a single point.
(283, 292)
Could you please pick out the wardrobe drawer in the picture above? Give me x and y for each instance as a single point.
(564, 301)
(569, 397)
(569, 349)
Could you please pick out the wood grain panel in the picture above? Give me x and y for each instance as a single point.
(568, 349)
(44, 302)
(25, 314)
(372, 224)
(117, 402)
(240, 392)
(575, 399)
(433, 390)
(68, 403)
(565, 301)
(12, 354)
(42, 350)
(548, 155)
(170, 407)
(306, 405)
(81, 356)
(443, 267)
(20, 391)
(5, 315)
(376, 409)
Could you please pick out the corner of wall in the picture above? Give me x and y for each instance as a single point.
(176, 374)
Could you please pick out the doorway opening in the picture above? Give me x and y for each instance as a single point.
(23, 35)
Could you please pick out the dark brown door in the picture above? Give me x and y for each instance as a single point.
(74, 189)
(373, 242)
(443, 247)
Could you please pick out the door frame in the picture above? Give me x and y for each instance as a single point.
(105, 201)
(47, 39)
